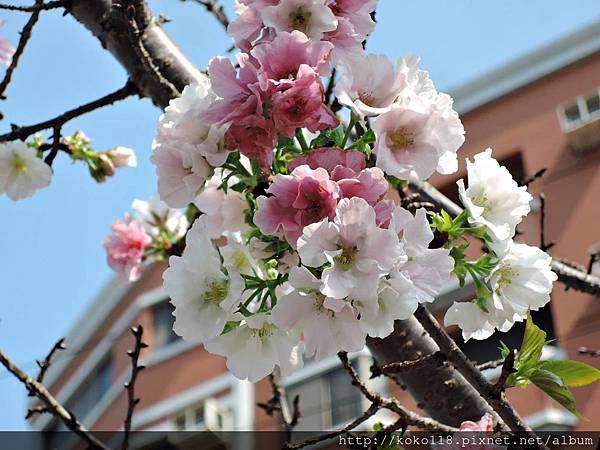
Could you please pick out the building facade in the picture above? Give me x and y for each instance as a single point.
(540, 111)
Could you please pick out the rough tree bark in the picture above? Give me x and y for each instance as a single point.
(439, 389)
(122, 28)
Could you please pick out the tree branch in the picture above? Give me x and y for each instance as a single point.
(37, 7)
(460, 361)
(23, 40)
(136, 368)
(289, 417)
(51, 405)
(216, 9)
(44, 365)
(392, 404)
(58, 121)
(98, 17)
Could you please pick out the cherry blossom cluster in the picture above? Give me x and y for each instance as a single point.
(297, 247)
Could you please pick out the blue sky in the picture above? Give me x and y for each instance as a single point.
(52, 262)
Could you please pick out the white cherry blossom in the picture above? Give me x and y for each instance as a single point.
(359, 252)
(222, 211)
(155, 213)
(21, 171)
(428, 269)
(493, 198)
(204, 296)
(368, 84)
(311, 17)
(254, 348)
(325, 331)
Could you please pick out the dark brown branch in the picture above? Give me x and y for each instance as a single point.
(23, 40)
(44, 365)
(570, 276)
(216, 9)
(330, 86)
(371, 411)
(543, 244)
(460, 361)
(37, 7)
(392, 404)
(50, 404)
(403, 366)
(508, 367)
(58, 121)
(588, 352)
(98, 15)
(136, 368)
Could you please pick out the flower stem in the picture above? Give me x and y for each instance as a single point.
(353, 121)
(301, 140)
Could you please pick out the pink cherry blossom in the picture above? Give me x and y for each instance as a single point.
(369, 185)
(357, 12)
(255, 137)
(125, 248)
(339, 163)
(281, 58)
(302, 105)
(408, 142)
(6, 49)
(301, 198)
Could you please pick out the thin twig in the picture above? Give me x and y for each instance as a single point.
(51, 404)
(543, 245)
(216, 9)
(460, 361)
(330, 86)
(25, 35)
(371, 411)
(588, 352)
(490, 364)
(539, 174)
(392, 404)
(44, 365)
(56, 134)
(37, 7)
(508, 367)
(278, 402)
(136, 368)
(397, 367)
(58, 121)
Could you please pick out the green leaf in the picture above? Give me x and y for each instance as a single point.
(555, 387)
(332, 137)
(504, 350)
(573, 373)
(363, 143)
(531, 348)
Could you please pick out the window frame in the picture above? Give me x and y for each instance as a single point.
(585, 116)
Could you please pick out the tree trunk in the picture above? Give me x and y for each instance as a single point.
(440, 390)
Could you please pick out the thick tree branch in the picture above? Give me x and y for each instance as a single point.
(58, 121)
(493, 396)
(114, 34)
(570, 276)
(50, 404)
(410, 418)
(23, 40)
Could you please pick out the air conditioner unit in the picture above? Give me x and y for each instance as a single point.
(586, 137)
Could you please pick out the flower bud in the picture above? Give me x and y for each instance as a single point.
(122, 156)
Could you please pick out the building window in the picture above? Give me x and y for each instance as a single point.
(580, 111)
(163, 325)
(93, 390)
(210, 414)
(326, 400)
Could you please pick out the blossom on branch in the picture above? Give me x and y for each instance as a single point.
(125, 248)
(21, 171)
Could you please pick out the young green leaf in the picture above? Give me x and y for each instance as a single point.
(531, 348)
(573, 373)
(556, 388)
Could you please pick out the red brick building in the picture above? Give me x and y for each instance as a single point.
(540, 111)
